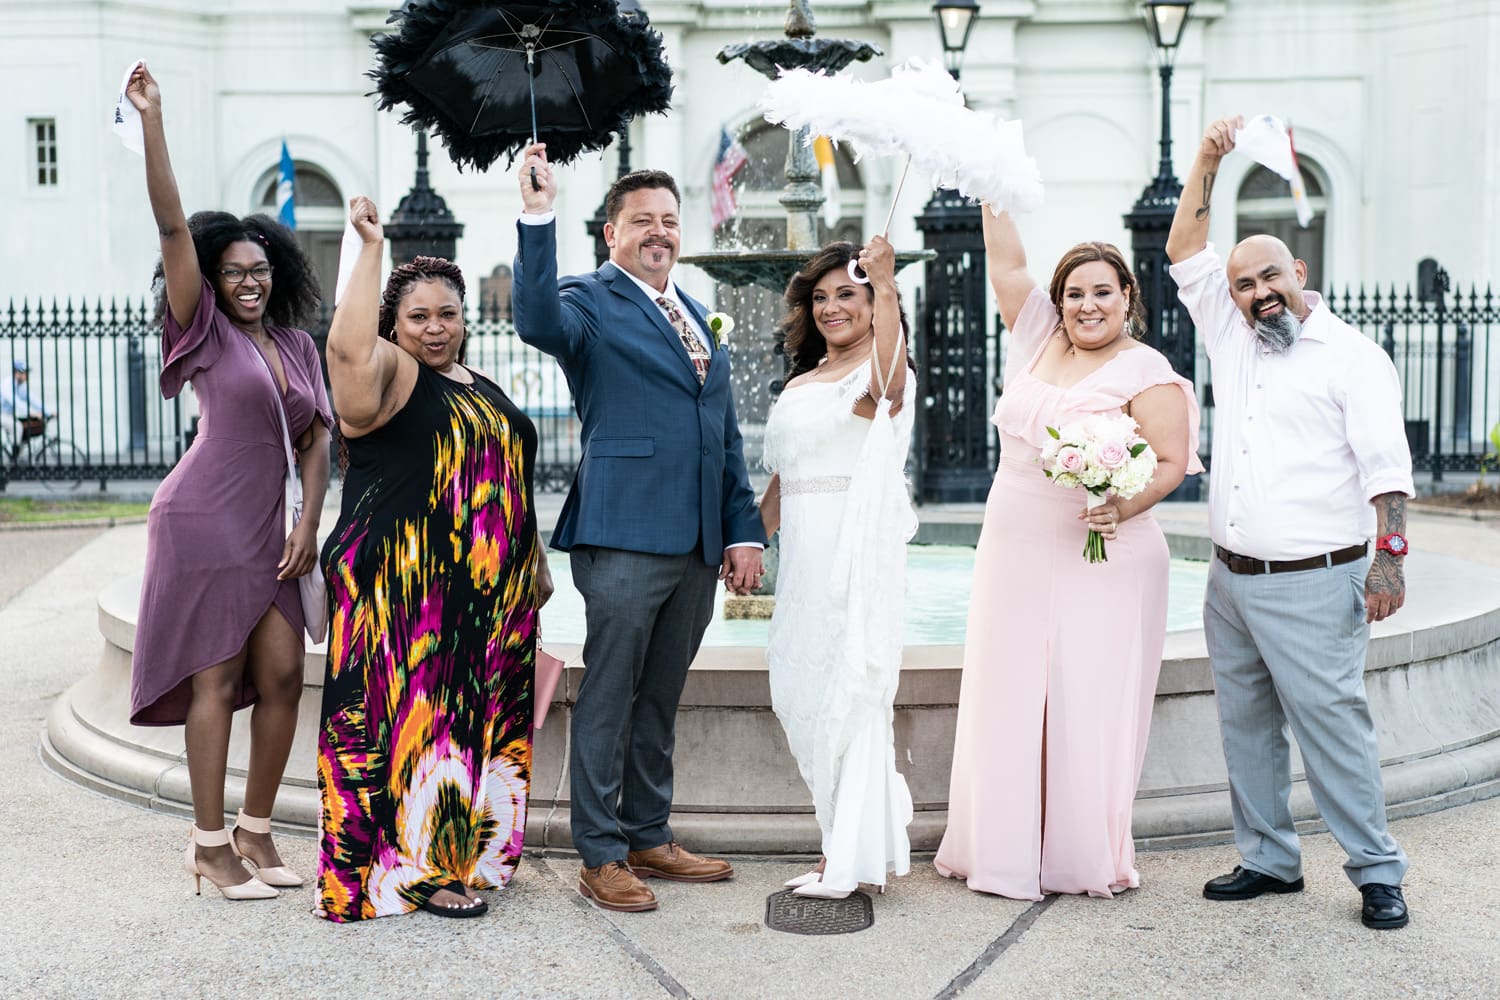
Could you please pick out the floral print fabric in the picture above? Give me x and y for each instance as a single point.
(425, 748)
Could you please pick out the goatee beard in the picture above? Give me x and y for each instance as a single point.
(1278, 333)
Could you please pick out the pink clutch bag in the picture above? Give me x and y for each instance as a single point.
(548, 670)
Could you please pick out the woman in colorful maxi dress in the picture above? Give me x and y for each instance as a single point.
(836, 442)
(1062, 655)
(435, 576)
(220, 625)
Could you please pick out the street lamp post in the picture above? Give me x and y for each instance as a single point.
(422, 224)
(954, 454)
(595, 226)
(1150, 220)
(1168, 327)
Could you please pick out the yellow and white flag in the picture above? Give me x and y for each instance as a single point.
(832, 210)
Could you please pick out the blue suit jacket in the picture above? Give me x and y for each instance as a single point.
(663, 466)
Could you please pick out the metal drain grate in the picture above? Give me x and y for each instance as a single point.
(786, 911)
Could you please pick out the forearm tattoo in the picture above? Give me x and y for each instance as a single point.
(1208, 190)
(1386, 576)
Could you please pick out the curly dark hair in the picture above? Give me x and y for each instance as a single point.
(636, 180)
(1108, 253)
(805, 345)
(294, 289)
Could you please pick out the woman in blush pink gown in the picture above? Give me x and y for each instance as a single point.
(1062, 655)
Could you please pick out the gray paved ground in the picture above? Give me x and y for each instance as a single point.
(98, 904)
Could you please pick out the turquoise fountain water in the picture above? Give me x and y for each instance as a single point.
(937, 601)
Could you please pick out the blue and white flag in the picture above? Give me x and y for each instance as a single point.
(286, 209)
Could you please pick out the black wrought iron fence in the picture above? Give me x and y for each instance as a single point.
(1445, 350)
(1446, 353)
(81, 402)
(90, 373)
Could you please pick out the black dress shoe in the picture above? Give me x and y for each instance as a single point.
(1385, 907)
(1242, 883)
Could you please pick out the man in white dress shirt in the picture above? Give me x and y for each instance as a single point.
(1310, 463)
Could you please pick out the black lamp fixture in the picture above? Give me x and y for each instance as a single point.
(595, 226)
(422, 224)
(1168, 327)
(955, 20)
(1166, 20)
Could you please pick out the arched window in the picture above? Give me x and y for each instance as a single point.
(761, 223)
(320, 218)
(1265, 206)
(494, 293)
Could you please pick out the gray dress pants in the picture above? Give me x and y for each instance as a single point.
(646, 615)
(1289, 648)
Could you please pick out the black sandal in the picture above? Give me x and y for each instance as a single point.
(458, 889)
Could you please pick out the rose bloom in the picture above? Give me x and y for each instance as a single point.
(1070, 459)
(1112, 454)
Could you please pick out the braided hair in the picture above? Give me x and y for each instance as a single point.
(294, 294)
(405, 276)
(397, 286)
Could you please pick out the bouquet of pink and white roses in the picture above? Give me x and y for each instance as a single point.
(1104, 454)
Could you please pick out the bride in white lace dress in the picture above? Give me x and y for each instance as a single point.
(836, 442)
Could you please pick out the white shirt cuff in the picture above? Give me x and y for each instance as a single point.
(538, 219)
(744, 545)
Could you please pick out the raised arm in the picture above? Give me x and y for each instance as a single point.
(557, 321)
(361, 366)
(1190, 225)
(888, 359)
(1007, 264)
(178, 256)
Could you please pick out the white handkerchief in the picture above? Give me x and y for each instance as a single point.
(1265, 140)
(349, 251)
(127, 120)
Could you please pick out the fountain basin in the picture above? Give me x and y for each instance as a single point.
(1433, 679)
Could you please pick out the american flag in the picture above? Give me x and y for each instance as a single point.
(731, 160)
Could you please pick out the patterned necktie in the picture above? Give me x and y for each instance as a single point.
(697, 353)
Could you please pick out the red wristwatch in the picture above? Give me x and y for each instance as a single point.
(1393, 543)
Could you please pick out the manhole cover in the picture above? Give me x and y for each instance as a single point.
(787, 911)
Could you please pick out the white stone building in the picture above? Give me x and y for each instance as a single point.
(1396, 106)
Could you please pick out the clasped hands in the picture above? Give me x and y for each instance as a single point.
(742, 569)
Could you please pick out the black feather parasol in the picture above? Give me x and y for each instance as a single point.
(486, 77)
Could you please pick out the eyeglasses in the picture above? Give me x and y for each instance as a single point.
(235, 275)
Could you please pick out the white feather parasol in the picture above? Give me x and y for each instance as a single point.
(918, 112)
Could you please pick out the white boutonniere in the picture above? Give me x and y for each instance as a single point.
(720, 325)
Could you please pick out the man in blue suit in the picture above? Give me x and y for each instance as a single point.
(661, 507)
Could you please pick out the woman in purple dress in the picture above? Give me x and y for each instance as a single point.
(221, 624)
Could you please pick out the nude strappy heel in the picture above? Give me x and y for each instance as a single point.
(253, 889)
(280, 875)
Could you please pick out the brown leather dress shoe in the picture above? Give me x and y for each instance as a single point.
(671, 861)
(611, 886)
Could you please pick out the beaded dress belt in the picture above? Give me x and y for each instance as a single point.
(820, 484)
(1244, 564)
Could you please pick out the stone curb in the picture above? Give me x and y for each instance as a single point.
(63, 525)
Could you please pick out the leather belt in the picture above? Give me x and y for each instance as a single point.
(1244, 564)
